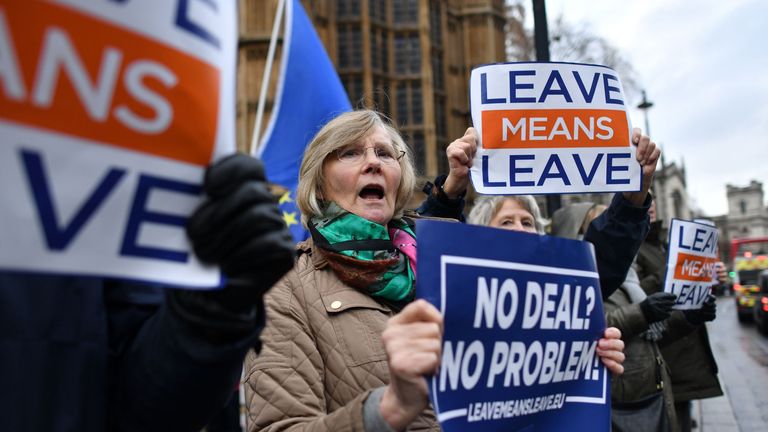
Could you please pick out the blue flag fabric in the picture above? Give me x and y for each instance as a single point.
(309, 94)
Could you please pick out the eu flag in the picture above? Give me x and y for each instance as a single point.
(309, 94)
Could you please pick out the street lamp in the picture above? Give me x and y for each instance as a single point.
(541, 37)
(644, 105)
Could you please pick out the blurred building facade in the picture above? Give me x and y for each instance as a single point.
(669, 187)
(747, 213)
(409, 59)
(747, 218)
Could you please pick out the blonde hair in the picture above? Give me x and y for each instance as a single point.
(486, 207)
(344, 130)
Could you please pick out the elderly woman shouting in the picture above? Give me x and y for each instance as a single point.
(345, 347)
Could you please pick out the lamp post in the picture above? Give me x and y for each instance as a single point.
(540, 31)
(645, 105)
(541, 36)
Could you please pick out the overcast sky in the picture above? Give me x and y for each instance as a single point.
(704, 65)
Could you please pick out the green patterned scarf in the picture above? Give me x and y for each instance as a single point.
(362, 254)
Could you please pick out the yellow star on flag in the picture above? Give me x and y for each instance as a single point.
(289, 218)
(286, 198)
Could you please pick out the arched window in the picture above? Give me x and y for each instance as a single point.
(743, 206)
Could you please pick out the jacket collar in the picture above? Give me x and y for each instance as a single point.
(318, 259)
(336, 296)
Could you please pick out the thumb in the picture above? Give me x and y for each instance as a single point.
(663, 296)
(471, 133)
(668, 296)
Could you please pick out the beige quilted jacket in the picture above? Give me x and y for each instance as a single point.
(322, 354)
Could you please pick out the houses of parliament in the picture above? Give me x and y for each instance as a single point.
(409, 59)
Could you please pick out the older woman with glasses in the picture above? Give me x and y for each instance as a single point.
(346, 347)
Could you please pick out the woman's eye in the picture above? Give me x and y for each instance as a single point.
(349, 153)
(384, 154)
(528, 223)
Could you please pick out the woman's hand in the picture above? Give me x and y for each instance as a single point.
(610, 348)
(647, 154)
(413, 342)
(721, 273)
(460, 154)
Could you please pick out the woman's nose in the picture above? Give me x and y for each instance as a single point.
(370, 159)
(370, 155)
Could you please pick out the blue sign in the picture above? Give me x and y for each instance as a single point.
(523, 314)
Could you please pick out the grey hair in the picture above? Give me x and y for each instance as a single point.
(344, 130)
(486, 207)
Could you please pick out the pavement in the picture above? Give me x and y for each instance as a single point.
(714, 415)
(742, 359)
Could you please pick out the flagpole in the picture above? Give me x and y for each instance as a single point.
(265, 78)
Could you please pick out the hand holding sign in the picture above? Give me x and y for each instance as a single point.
(722, 274)
(647, 155)
(692, 262)
(657, 306)
(707, 312)
(239, 227)
(460, 154)
(610, 348)
(412, 341)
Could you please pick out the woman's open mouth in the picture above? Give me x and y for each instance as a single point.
(372, 192)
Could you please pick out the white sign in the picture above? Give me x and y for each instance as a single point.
(551, 128)
(110, 112)
(691, 262)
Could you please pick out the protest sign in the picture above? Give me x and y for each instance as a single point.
(522, 316)
(110, 112)
(691, 262)
(551, 128)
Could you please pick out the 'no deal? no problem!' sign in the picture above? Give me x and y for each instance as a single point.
(551, 128)
(522, 316)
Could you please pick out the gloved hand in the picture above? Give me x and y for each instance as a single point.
(707, 312)
(240, 228)
(657, 306)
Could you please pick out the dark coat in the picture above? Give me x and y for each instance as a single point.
(89, 355)
(692, 366)
(651, 262)
(691, 363)
(644, 366)
(617, 235)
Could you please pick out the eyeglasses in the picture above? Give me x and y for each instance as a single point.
(355, 155)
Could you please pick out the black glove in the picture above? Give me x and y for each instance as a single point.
(657, 306)
(706, 313)
(240, 228)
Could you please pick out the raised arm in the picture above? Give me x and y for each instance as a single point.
(445, 197)
(618, 233)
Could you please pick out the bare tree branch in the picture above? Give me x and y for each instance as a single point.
(569, 43)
